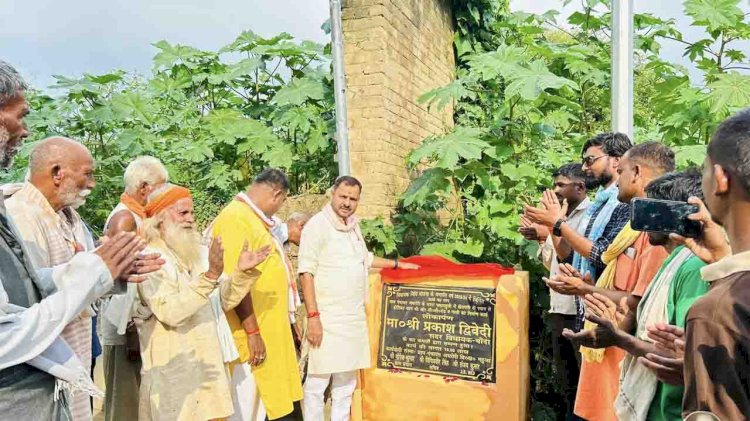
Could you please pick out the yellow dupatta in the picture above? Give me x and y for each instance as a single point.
(622, 241)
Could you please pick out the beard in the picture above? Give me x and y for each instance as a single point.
(602, 179)
(185, 242)
(72, 196)
(7, 151)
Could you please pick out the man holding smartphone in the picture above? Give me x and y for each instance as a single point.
(669, 296)
(716, 367)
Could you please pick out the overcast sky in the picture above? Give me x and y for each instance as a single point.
(70, 37)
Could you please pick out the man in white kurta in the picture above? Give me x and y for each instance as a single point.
(183, 375)
(334, 264)
(61, 176)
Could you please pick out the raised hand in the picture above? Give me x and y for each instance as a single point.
(712, 244)
(532, 231)
(668, 363)
(143, 265)
(250, 259)
(120, 253)
(215, 259)
(601, 310)
(568, 285)
(598, 337)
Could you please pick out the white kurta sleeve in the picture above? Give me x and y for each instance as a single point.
(26, 332)
(174, 301)
(546, 251)
(312, 240)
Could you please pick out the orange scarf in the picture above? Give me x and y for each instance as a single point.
(167, 199)
(133, 205)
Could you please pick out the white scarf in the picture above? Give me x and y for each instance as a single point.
(60, 361)
(638, 383)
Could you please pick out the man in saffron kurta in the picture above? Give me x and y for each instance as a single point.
(183, 376)
(260, 324)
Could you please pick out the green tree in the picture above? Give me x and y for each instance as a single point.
(216, 118)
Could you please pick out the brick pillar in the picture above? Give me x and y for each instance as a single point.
(394, 51)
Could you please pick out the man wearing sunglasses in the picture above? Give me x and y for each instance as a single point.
(604, 219)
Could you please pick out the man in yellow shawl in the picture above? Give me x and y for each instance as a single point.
(632, 262)
(260, 324)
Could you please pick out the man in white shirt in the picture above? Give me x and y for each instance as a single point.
(61, 176)
(334, 263)
(571, 188)
(36, 307)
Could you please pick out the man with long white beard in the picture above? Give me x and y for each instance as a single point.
(37, 368)
(61, 175)
(122, 358)
(183, 375)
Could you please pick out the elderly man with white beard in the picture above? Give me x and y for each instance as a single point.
(183, 375)
(61, 175)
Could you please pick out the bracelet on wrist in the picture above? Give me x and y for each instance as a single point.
(313, 314)
(252, 332)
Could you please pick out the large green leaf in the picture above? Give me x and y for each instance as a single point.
(529, 82)
(729, 90)
(432, 181)
(445, 95)
(690, 155)
(279, 155)
(463, 143)
(133, 105)
(299, 91)
(714, 14)
(170, 55)
(502, 62)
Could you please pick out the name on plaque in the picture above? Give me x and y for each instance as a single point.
(448, 331)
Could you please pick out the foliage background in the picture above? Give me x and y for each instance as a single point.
(530, 88)
(215, 118)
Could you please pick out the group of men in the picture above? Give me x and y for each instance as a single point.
(649, 325)
(206, 325)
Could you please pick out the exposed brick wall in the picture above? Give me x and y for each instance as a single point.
(394, 51)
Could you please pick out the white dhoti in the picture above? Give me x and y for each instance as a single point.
(246, 399)
(337, 258)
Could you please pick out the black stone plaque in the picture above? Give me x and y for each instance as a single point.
(447, 331)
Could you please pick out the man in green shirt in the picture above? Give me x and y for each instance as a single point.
(677, 285)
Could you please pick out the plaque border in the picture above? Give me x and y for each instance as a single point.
(383, 362)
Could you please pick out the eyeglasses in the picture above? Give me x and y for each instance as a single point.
(589, 160)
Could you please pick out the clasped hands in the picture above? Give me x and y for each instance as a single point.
(551, 210)
(668, 360)
(570, 282)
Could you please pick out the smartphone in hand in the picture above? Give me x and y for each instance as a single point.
(654, 215)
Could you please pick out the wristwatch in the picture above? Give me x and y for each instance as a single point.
(556, 228)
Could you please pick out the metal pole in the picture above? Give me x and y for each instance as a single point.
(622, 66)
(339, 87)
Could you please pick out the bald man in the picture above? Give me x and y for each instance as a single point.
(61, 176)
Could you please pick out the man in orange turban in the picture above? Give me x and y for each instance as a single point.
(183, 375)
(121, 353)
